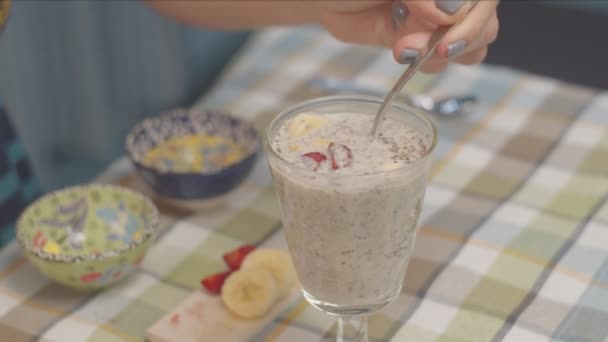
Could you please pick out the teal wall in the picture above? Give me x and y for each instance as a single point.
(76, 75)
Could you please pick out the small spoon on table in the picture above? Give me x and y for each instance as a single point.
(450, 106)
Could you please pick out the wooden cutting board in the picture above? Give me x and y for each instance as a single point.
(201, 318)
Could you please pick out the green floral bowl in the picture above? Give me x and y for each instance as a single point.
(88, 237)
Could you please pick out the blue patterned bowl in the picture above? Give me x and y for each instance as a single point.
(188, 184)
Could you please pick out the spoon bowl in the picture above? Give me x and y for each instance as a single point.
(444, 107)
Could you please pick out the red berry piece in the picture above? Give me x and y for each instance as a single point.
(313, 160)
(90, 277)
(214, 283)
(341, 156)
(235, 258)
(39, 240)
(175, 320)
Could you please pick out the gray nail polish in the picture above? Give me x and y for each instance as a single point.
(399, 13)
(449, 6)
(408, 56)
(456, 48)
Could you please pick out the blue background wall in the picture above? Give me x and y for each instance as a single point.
(76, 75)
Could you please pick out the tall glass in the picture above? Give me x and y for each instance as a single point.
(351, 236)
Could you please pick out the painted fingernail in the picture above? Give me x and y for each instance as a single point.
(399, 14)
(449, 6)
(408, 56)
(456, 48)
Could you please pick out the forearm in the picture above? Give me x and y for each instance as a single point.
(236, 15)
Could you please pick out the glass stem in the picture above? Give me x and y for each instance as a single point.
(352, 329)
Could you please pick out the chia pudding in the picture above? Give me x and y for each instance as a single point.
(349, 204)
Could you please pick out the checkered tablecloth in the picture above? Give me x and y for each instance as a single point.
(514, 238)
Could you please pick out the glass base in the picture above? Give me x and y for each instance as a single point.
(352, 329)
(342, 311)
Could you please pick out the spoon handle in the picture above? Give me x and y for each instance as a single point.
(434, 41)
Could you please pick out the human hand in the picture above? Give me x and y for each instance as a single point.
(406, 26)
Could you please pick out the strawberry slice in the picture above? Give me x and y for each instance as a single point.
(175, 319)
(39, 240)
(313, 160)
(235, 258)
(341, 156)
(90, 277)
(214, 283)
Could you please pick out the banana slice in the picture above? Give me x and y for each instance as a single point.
(321, 142)
(277, 261)
(388, 166)
(250, 293)
(304, 123)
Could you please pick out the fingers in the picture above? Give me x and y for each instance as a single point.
(433, 68)
(438, 12)
(411, 47)
(461, 47)
(382, 24)
(470, 58)
(407, 26)
(473, 57)
(478, 29)
(404, 22)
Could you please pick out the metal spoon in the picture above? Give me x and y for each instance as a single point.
(447, 107)
(434, 41)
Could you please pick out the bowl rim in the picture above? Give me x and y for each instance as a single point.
(150, 231)
(130, 141)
